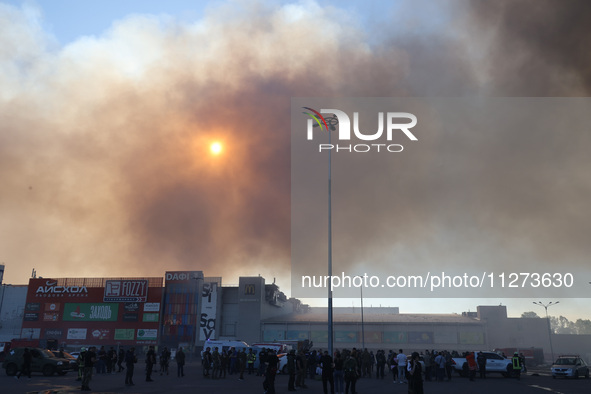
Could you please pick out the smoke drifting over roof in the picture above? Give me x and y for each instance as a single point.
(104, 143)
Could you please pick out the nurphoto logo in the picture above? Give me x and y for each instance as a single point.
(394, 125)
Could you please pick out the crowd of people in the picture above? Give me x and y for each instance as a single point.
(111, 362)
(339, 372)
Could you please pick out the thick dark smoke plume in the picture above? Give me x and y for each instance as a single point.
(105, 166)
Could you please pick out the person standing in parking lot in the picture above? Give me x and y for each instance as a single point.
(180, 362)
(150, 361)
(130, 360)
(440, 365)
(481, 359)
(471, 365)
(89, 361)
(516, 364)
(27, 360)
(415, 375)
(327, 372)
(271, 371)
(401, 358)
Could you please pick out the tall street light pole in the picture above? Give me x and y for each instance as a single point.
(330, 322)
(547, 318)
(331, 123)
(362, 321)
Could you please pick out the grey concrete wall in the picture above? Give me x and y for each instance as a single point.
(251, 296)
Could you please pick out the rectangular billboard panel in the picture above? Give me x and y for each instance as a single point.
(53, 333)
(395, 337)
(33, 306)
(30, 333)
(31, 316)
(420, 337)
(345, 336)
(130, 317)
(51, 316)
(52, 306)
(297, 335)
(152, 307)
(471, 338)
(100, 334)
(147, 335)
(150, 317)
(76, 333)
(90, 312)
(131, 307)
(126, 290)
(124, 334)
(207, 320)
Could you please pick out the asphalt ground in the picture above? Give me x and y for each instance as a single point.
(536, 381)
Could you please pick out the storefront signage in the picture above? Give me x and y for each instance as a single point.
(147, 335)
(76, 333)
(152, 307)
(126, 290)
(90, 312)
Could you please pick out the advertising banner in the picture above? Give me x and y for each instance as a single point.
(373, 337)
(421, 337)
(52, 306)
(131, 307)
(152, 307)
(207, 321)
(30, 333)
(273, 335)
(90, 312)
(295, 335)
(31, 317)
(182, 276)
(130, 317)
(147, 335)
(53, 333)
(124, 334)
(51, 316)
(150, 317)
(395, 337)
(100, 334)
(319, 336)
(76, 333)
(126, 290)
(33, 306)
(471, 338)
(345, 336)
(442, 337)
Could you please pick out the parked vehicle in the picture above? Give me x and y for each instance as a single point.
(70, 357)
(43, 361)
(571, 366)
(495, 363)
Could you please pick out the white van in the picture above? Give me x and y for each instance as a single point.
(225, 345)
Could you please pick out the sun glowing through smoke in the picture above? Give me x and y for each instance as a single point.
(215, 148)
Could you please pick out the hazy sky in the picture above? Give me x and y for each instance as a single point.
(108, 109)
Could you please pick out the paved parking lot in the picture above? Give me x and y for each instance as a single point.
(539, 382)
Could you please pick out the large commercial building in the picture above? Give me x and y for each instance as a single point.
(78, 311)
(185, 308)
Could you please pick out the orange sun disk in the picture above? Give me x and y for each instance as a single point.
(215, 148)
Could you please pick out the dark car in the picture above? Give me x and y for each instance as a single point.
(570, 366)
(43, 361)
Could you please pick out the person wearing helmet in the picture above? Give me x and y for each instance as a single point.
(516, 364)
(80, 361)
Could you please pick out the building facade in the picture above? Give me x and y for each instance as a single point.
(185, 308)
(72, 312)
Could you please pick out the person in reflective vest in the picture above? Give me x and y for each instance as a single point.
(516, 365)
(80, 360)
